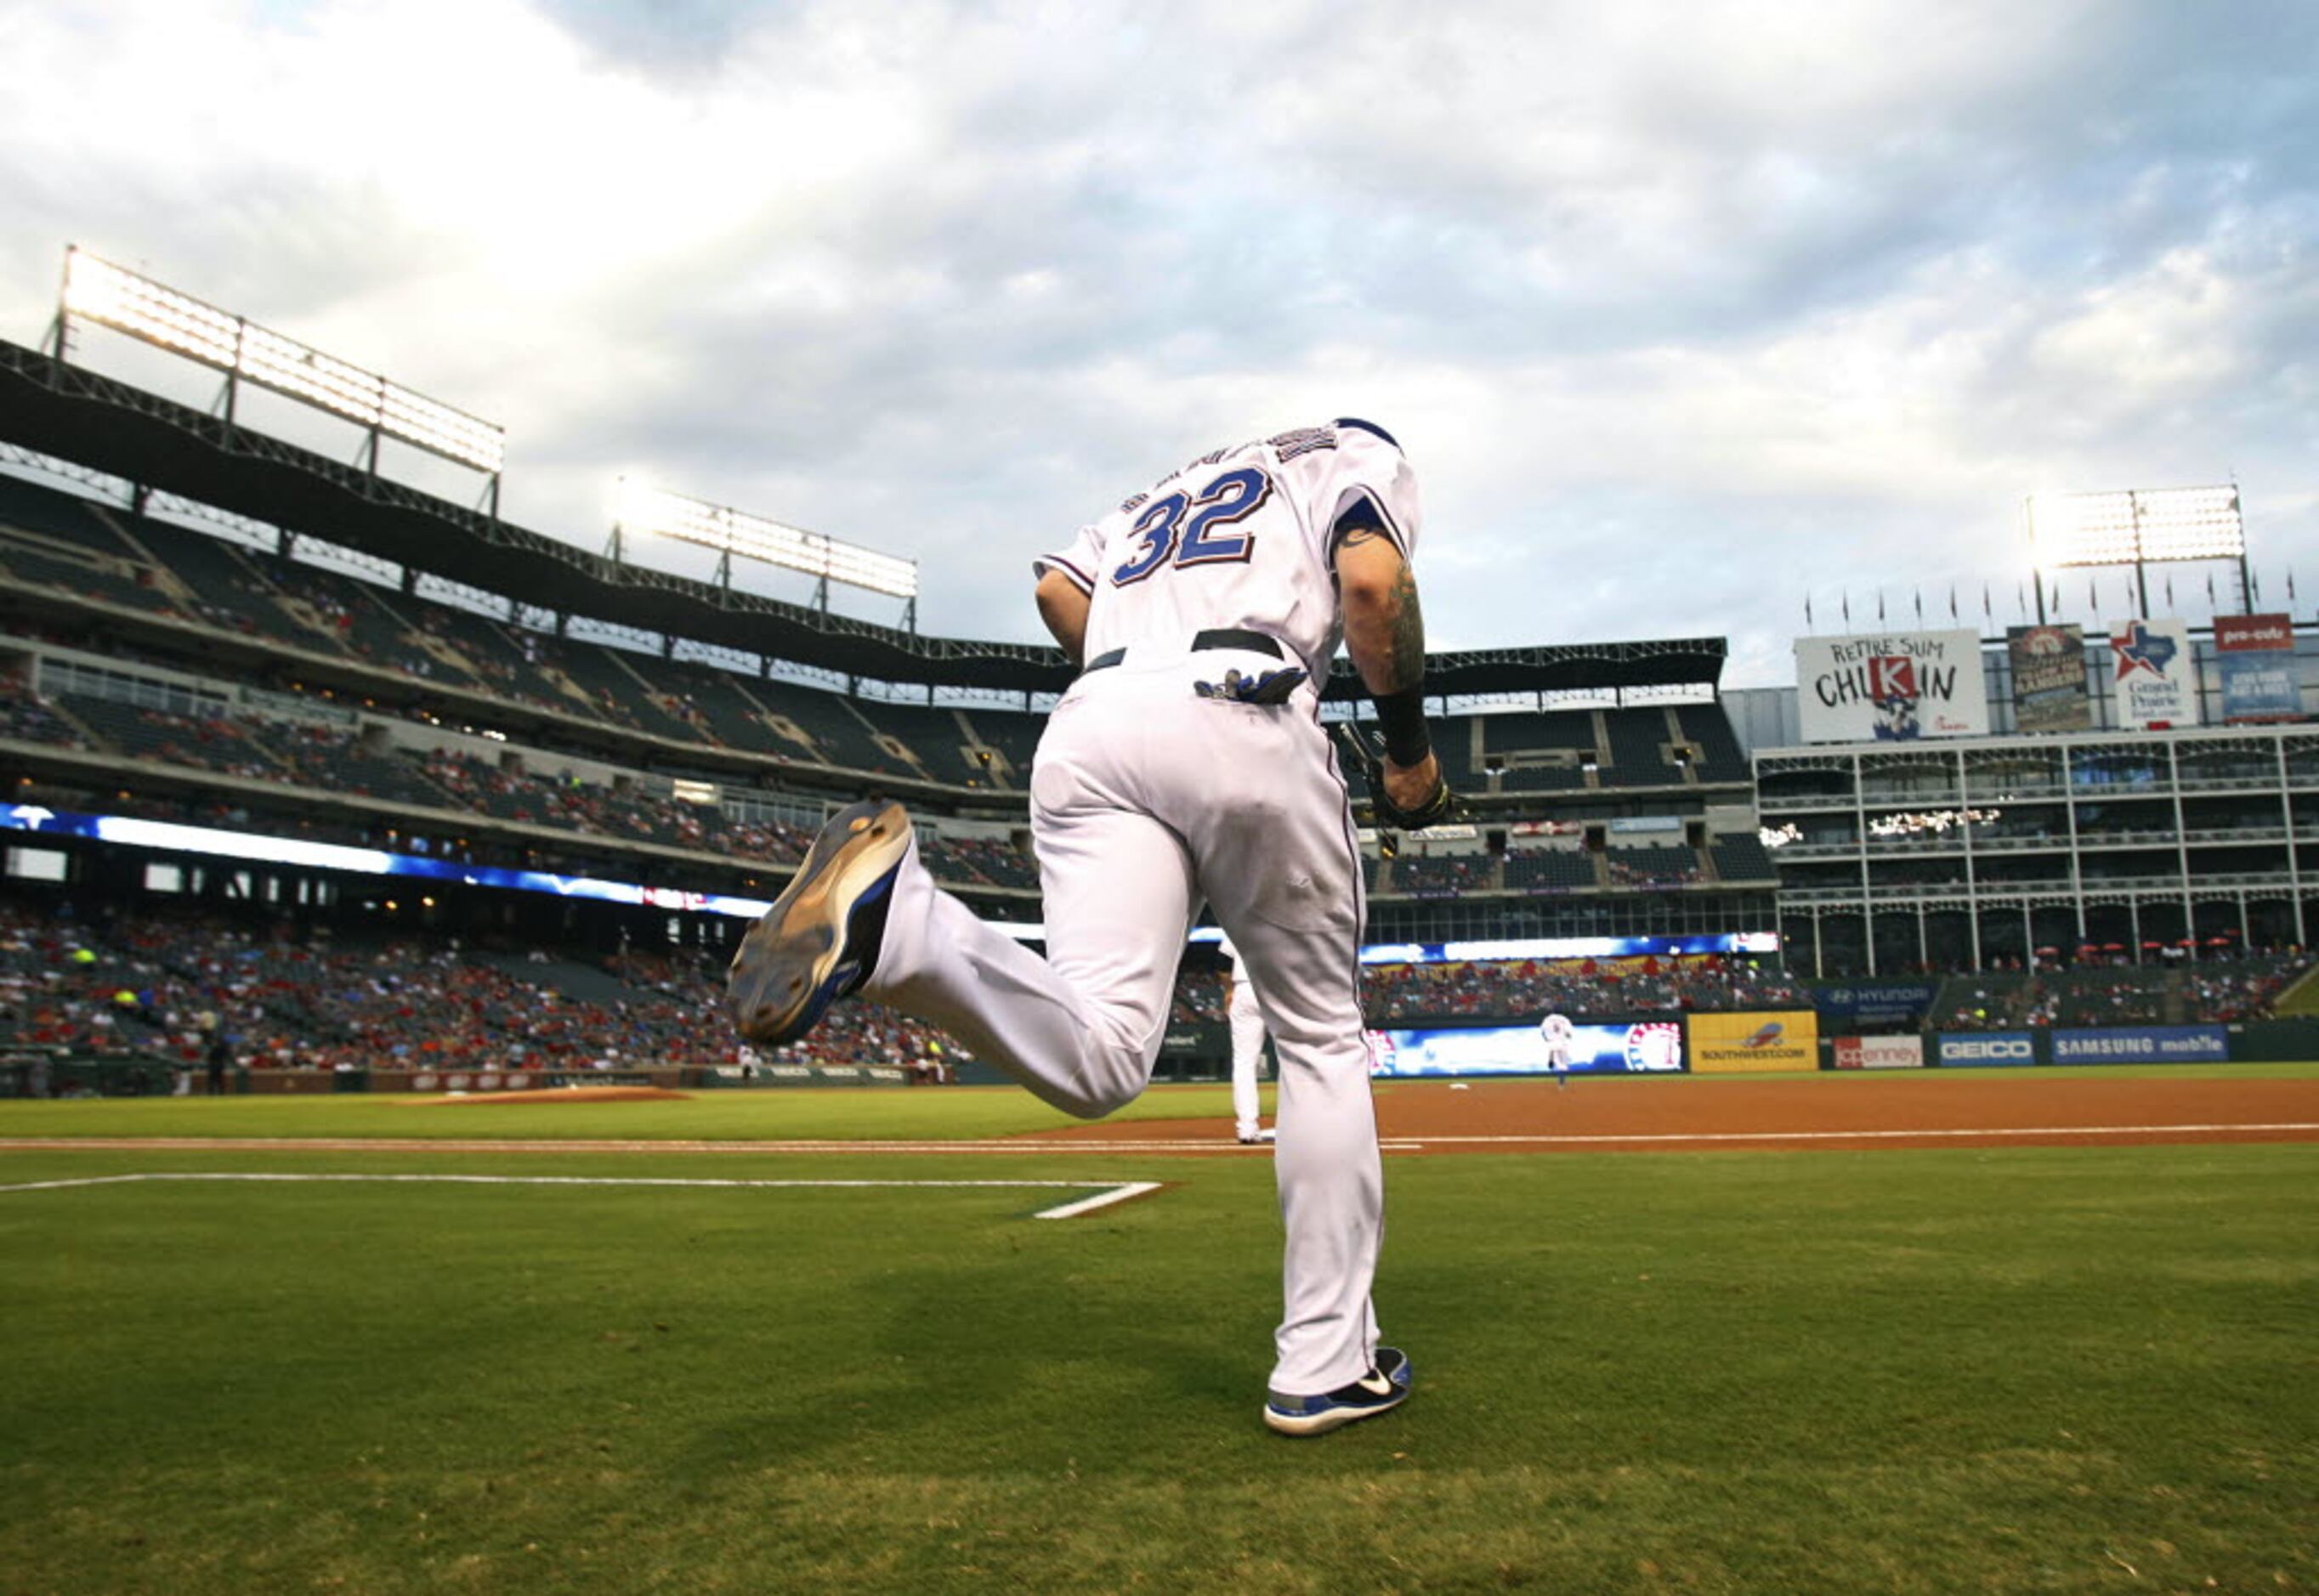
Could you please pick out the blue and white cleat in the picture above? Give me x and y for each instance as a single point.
(1384, 1386)
(820, 940)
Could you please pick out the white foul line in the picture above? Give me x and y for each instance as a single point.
(1119, 1192)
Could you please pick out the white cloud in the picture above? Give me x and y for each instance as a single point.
(1683, 310)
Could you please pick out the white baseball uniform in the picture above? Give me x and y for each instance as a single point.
(1245, 1016)
(1150, 794)
(1557, 1032)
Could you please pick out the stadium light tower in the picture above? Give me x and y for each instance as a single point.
(2138, 527)
(646, 511)
(96, 291)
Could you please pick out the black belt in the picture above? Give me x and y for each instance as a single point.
(1221, 638)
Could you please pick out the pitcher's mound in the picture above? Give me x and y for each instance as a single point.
(569, 1095)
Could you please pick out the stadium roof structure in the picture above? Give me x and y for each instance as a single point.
(106, 425)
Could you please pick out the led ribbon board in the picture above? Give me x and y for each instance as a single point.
(643, 508)
(113, 296)
(168, 836)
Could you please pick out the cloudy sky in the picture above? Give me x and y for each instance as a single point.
(1683, 312)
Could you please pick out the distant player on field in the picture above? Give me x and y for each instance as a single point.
(1185, 765)
(1557, 1032)
(1246, 1017)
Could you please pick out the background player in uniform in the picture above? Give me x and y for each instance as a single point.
(1557, 1032)
(1186, 763)
(1245, 1016)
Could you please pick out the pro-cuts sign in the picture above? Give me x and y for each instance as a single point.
(2260, 680)
(1892, 687)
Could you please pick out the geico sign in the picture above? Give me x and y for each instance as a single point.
(1999, 1048)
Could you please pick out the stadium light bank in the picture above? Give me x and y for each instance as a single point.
(96, 291)
(2138, 527)
(641, 509)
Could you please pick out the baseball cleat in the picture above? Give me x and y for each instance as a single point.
(1255, 1138)
(821, 938)
(1385, 1385)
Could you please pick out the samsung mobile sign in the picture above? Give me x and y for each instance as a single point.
(1892, 686)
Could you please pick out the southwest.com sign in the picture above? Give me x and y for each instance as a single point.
(1754, 1044)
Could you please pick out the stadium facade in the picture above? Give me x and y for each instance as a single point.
(210, 627)
(2169, 841)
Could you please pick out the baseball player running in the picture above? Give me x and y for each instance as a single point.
(1186, 763)
(1245, 1015)
(1557, 1032)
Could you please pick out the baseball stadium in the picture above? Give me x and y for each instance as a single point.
(388, 1204)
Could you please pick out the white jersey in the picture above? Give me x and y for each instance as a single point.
(1242, 537)
(1557, 1032)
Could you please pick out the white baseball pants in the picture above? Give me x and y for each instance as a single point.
(1147, 801)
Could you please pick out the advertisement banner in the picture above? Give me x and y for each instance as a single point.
(1872, 1002)
(1892, 686)
(1979, 1050)
(2155, 675)
(1880, 1052)
(2260, 678)
(2142, 1044)
(2049, 679)
(1756, 1043)
(1652, 1048)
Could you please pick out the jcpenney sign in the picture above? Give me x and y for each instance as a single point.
(1970, 1050)
(1880, 1052)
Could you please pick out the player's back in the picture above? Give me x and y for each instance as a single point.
(1241, 538)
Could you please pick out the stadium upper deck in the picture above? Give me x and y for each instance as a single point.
(309, 664)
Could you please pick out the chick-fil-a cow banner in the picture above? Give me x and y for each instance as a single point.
(1892, 686)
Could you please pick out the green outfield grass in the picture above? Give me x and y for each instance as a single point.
(2021, 1369)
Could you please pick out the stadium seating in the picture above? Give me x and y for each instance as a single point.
(210, 742)
(1639, 740)
(1535, 753)
(1741, 858)
(1651, 867)
(1709, 729)
(27, 716)
(1451, 875)
(1549, 869)
(1014, 736)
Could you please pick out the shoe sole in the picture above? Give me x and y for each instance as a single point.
(1302, 1424)
(793, 962)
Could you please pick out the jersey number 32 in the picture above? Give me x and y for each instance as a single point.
(1189, 529)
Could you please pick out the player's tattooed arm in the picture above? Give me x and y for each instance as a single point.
(1385, 627)
(1063, 606)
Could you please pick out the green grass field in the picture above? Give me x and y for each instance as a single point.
(2026, 1369)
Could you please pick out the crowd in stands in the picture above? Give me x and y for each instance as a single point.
(163, 987)
(29, 717)
(1644, 868)
(1608, 987)
(1526, 989)
(2221, 988)
(691, 986)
